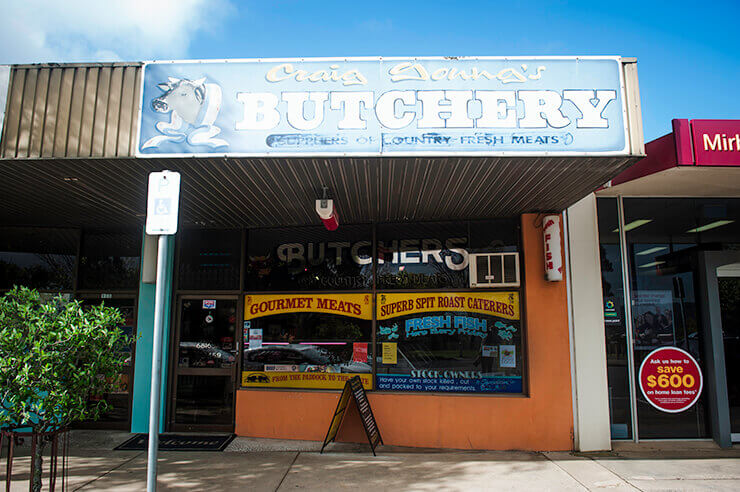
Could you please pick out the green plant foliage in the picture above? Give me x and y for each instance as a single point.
(54, 355)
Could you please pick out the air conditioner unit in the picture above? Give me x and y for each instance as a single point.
(494, 270)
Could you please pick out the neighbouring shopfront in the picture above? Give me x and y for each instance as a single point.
(434, 280)
(93, 266)
(669, 239)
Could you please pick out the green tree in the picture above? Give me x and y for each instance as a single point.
(53, 356)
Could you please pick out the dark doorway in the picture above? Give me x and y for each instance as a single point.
(205, 363)
(729, 298)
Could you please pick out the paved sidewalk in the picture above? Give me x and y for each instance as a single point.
(267, 465)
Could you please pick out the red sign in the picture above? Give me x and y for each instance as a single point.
(670, 379)
(359, 352)
(716, 142)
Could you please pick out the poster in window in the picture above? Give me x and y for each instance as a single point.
(307, 340)
(450, 342)
(654, 322)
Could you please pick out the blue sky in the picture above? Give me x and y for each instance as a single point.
(688, 52)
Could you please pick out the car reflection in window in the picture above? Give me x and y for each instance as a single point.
(308, 357)
(203, 354)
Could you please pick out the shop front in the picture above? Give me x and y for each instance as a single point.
(669, 236)
(380, 218)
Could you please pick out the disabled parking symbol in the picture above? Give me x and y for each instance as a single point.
(162, 206)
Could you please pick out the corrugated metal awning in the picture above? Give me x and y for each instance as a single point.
(231, 192)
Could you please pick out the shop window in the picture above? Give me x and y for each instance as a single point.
(612, 287)
(306, 341)
(41, 258)
(310, 258)
(663, 237)
(110, 260)
(455, 342)
(209, 259)
(435, 255)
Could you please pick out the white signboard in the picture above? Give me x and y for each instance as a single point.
(384, 106)
(255, 338)
(507, 356)
(162, 203)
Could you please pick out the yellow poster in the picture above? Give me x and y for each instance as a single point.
(318, 380)
(498, 304)
(390, 353)
(352, 305)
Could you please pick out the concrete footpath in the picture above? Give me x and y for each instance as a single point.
(269, 465)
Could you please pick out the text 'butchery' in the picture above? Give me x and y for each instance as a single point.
(396, 109)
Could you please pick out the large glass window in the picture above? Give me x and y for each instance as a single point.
(449, 342)
(663, 236)
(434, 255)
(209, 259)
(310, 258)
(614, 322)
(306, 341)
(469, 342)
(110, 260)
(41, 258)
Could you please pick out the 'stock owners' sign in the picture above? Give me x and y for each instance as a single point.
(670, 379)
(390, 106)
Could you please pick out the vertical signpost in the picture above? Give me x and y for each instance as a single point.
(161, 220)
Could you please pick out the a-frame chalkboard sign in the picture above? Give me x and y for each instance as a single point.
(353, 390)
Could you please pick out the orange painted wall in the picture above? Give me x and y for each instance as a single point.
(540, 420)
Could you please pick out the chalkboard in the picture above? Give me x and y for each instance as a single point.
(354, 390)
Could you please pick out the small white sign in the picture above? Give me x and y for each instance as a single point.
(255, 338)
(282, 368)
(489, 350)
(209, 303)
(162, 203)
(507, 356)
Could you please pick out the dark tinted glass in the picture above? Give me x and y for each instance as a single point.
(110, 260)
(434, 255)
(207, 334)
(449, 342)
(204, 400)
(663, 236)
(119, 398)
(616, 333)
(209, 259)
(306, 341)
(309, 258)
(41, 258)
(729, 298)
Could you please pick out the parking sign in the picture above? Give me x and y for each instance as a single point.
(162, 203)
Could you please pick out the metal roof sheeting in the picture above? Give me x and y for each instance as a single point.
(71, 111)
(282, 192)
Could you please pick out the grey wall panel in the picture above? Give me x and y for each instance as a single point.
(52, 108)
(64, 107)
(13, 112)
(39, 111)
(24, 128)
(71, 110)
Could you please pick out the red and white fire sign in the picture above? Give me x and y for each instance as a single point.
(670, 379)
(553, 255)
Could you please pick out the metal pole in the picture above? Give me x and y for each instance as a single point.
(628, 319)
(151, 477)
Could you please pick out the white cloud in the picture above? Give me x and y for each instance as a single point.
(104, 30)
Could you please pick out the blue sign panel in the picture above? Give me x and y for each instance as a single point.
(484, 384)
(389, 106)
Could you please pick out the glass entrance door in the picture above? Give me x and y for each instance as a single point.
(729, 299)
(204, 373)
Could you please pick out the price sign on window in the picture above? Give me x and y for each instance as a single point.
(670, 379)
